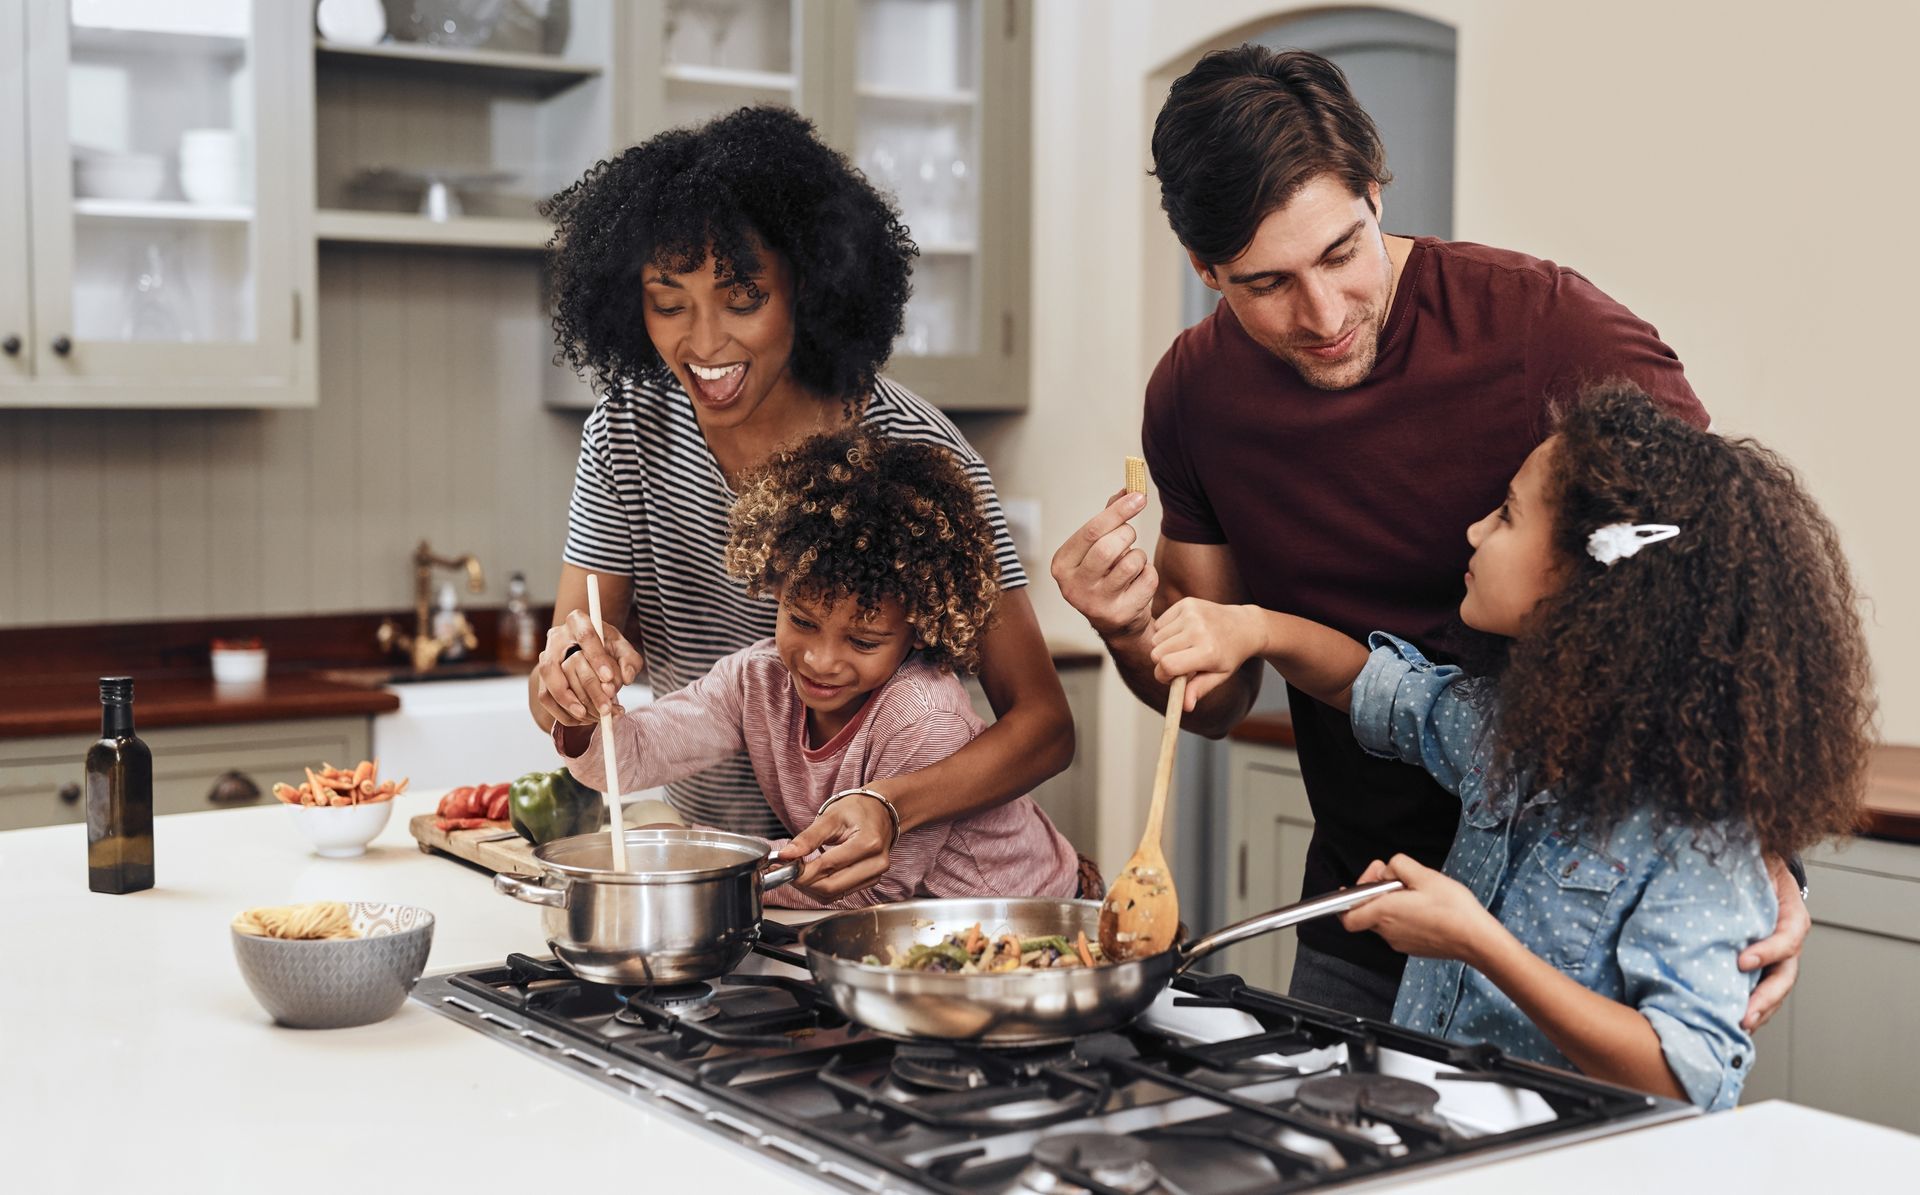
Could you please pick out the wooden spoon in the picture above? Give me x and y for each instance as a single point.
(1142, 911)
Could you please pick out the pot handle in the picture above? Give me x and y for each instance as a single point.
(524, 889)
(1293, 914)
(777, 874)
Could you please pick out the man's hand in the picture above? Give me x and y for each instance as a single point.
(1205, 641)
(856, 834)
(1434, 916)
(1104, 576)
(1778, 953)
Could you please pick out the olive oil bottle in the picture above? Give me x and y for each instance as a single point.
(119, 797)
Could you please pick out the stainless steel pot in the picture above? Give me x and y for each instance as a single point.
(687, 908)
(1017, 1008)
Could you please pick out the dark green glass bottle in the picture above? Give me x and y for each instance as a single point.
(119, 797)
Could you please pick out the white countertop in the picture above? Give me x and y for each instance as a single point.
(132, 1055)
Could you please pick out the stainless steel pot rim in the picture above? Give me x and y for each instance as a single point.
(751, 852)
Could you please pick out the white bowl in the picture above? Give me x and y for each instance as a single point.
(239, 666)
(342, 831)
(120, 176)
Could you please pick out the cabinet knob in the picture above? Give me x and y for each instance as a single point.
(62, 346)
(233, 788)
(11, 345)
(70, 793)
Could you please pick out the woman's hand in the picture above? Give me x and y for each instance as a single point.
(1206, 642)
(1434, 916)
(574, 689)
(857, 836)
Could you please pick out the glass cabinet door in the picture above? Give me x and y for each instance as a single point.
(16, 300)
(917, 104)
(717, 55)
(160, 243)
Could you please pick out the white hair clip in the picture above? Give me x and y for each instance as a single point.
(1617, 541)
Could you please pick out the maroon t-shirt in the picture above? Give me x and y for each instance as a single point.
(1351, 507)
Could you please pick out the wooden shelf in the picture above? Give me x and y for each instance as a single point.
(543, 74)
(727, 77)
(172, 211)
(158, 43)
(908, 95)
(465, 232)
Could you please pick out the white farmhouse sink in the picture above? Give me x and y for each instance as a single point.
(456, 732)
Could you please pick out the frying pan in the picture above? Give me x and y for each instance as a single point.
(1014, 1008)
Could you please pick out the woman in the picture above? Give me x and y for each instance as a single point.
(733, 289)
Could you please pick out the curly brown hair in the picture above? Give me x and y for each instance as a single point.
(849, 515)
(1721, 675)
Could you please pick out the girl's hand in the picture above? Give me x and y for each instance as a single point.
(1206, 642)
(575, 688)
(1433, 916)
(854, 837)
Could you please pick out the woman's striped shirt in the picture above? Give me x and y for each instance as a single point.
(650, 503)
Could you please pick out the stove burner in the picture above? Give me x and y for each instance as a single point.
(1108, 1158)
(683, 1002)
(1353, 1099)
(948, 1068)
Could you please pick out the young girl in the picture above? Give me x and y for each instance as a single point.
(882, 561)
(1685, 692)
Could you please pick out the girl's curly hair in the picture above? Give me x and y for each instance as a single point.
(1721, 675)
(849, 515)
(755, 177)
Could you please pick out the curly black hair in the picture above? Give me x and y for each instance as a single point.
(850, 515)
(757, 177)
(1722, 675)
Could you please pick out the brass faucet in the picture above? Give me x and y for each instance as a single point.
(421, 645)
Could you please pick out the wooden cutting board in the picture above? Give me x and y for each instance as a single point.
(512, 855)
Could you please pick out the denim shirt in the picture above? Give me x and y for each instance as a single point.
(1644, 917)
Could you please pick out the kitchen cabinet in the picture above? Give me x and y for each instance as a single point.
(932, 100)
(42, 778)
(158, 241)
(1268, 826)
(1071, 799)
(1848, 1039)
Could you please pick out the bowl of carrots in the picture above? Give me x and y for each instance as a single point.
(341, 810)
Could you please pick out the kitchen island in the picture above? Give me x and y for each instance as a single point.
(133, 1057)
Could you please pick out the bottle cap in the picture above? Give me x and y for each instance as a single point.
(116, 690)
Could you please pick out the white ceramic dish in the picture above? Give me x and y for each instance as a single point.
(120, 176)
(341, 831)
(239, 666)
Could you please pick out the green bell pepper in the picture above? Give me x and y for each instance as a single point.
(544, 806)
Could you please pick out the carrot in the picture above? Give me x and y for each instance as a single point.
(1080, 948)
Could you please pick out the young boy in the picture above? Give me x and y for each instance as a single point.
(884, 570)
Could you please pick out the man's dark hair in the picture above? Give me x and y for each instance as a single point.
(1243, 131)
(754, 177)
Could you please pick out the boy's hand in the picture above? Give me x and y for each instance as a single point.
(1433, 916)
(854, 837)
(1206, 642)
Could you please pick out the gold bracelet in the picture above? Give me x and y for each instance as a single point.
(892, 812)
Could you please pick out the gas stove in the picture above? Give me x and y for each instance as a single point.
(1218, 1089)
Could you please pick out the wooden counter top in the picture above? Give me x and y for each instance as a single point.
(73, 707)
(1893, 784)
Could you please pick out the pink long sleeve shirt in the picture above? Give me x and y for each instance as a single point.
(919, 717)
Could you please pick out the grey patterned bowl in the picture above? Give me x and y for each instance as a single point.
(343, 982)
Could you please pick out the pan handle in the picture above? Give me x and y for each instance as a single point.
(778, 875)
(1293, 914)
(534, 894)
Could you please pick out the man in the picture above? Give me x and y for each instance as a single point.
(1322, 441)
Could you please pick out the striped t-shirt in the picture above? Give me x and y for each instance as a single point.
(650, 503)
(916, 719)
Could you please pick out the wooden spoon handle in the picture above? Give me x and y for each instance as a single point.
(1163, 774)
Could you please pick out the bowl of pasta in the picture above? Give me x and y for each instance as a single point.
(332, 964)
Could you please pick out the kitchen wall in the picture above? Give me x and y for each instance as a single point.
(1727, 170)
(429, 425)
